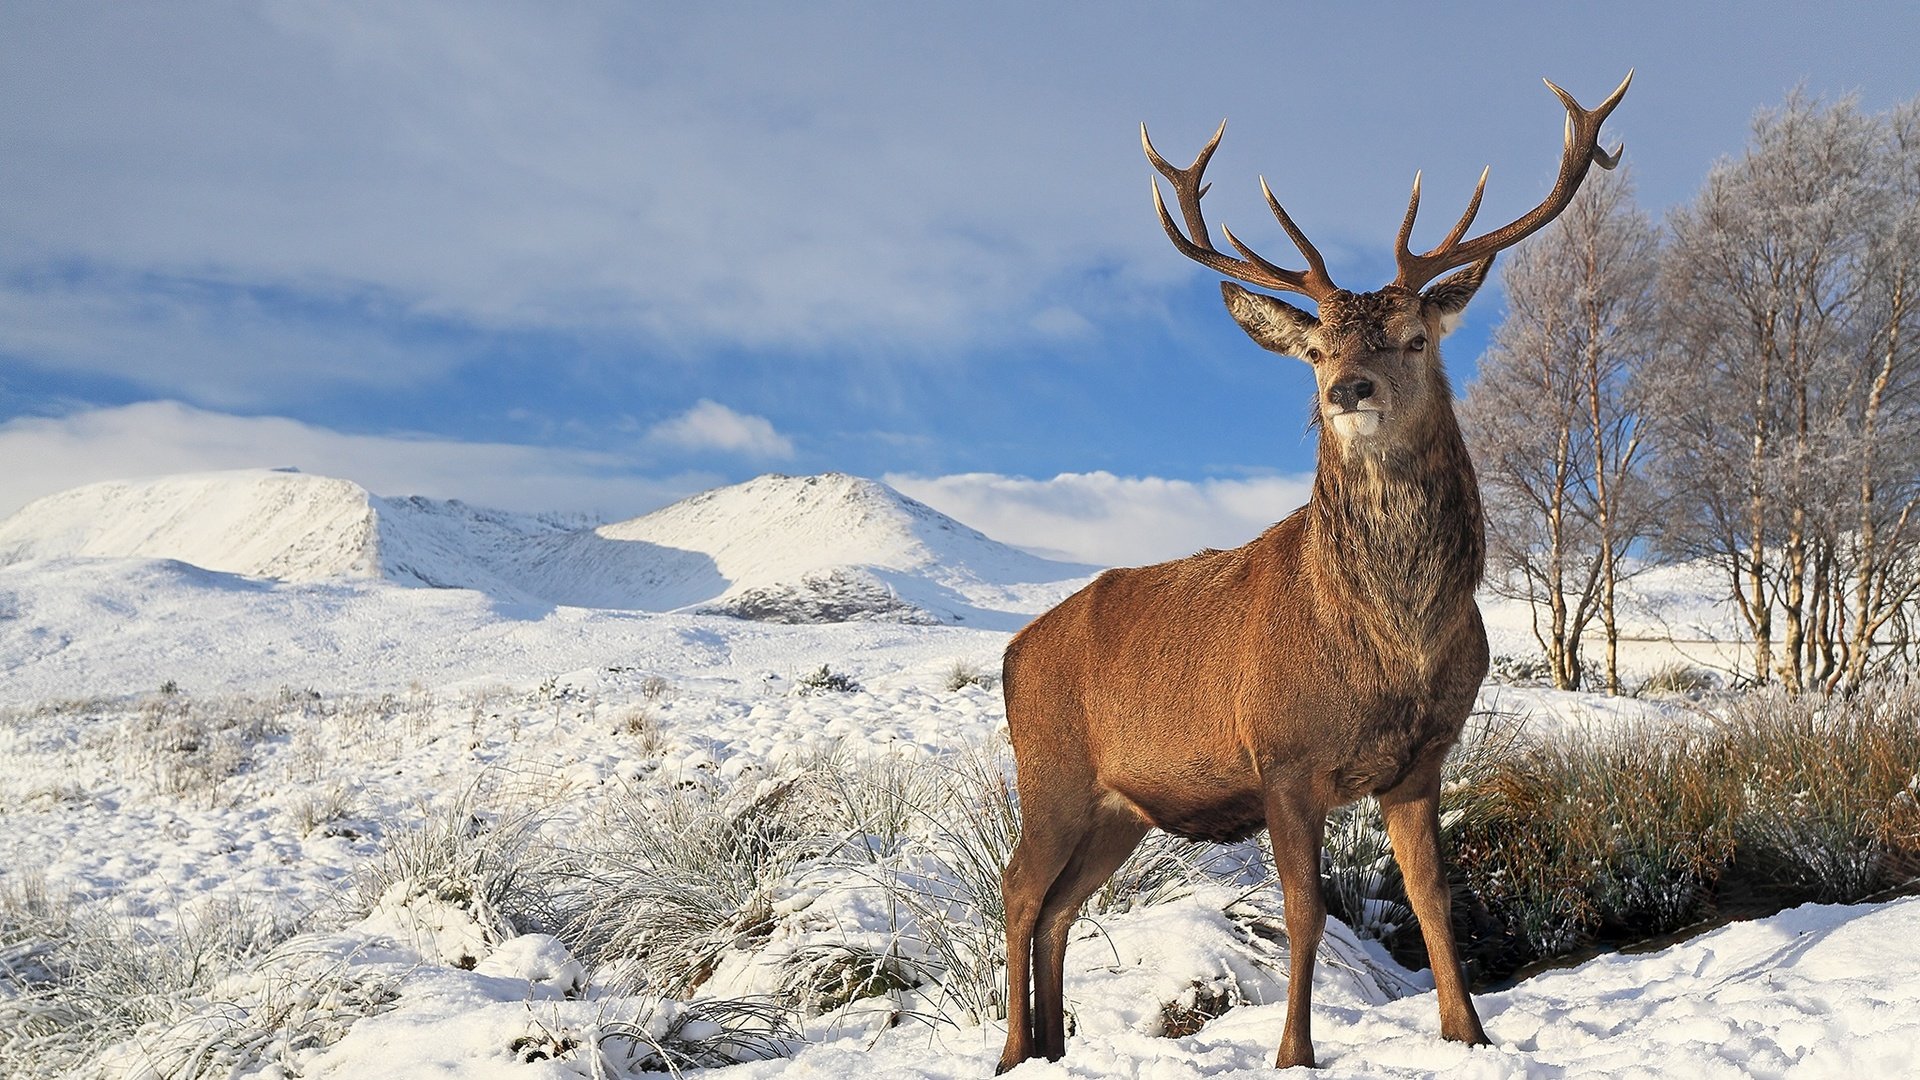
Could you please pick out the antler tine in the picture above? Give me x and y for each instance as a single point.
(1459, 227)
(1196, 244)
(1187, 181)
(1580, 151)
(1473, 209)
(1316, 274)
(1413, 211)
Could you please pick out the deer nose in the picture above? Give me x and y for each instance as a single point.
(1351, 393)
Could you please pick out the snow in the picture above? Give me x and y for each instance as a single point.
(1809, 993)
(790, 549)
(321, 708)
(86, 627)
(265, 523)
(1667, 614)
(776, 529)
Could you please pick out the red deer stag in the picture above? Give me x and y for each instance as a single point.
(1336, 656)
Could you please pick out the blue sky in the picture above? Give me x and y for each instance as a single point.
(597, 256)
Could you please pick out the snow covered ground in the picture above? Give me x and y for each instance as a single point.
(312, 727)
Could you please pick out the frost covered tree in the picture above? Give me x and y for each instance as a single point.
(1558, 424)
(1789, 398)
(1877, 556)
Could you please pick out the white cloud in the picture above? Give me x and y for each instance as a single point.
(159, 437)
(1111, 520)
(710, 425)
(210, 342)
(692, 176)
(809, 175)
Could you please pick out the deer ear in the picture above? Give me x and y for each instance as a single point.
(1448, 297)
(1274, 324)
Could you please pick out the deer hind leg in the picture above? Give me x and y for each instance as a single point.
(1042, 852)
(1113, 837)
(1298, 829)
(1412, 814)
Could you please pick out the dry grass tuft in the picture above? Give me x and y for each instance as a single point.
(1615, 835)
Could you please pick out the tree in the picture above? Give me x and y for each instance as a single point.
(1881, 558)
(1789, 395)
(1558, 421)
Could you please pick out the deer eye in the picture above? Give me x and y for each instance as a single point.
(1313, 356)
(1418, 344)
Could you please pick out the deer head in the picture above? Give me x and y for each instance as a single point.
(1375, 355)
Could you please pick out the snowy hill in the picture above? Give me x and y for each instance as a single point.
(821, 548)
(264, 523)
(275, 523)
(827, 548)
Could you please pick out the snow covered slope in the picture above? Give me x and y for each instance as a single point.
(782, 547)
(828, 548)
(261, 522)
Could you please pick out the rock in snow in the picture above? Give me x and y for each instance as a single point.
(830, 548)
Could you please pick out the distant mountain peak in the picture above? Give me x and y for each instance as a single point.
(826, 547)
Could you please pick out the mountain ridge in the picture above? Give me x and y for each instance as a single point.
(825, 548)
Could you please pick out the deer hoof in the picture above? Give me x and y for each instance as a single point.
(1010, 1060)
(1291, 1056)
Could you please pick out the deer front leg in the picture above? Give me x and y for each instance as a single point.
(1297, 830)
(1412, 814)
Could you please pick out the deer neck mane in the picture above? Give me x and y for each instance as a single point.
(1395, 538)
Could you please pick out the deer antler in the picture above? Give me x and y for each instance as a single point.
(1582, 149)
(1312, 282)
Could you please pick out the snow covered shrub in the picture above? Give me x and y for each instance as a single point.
(851, 926)
(1359, 877)
(367, 727)
(959, 912)
(545, 1044)
(1678, 679)
(1536, 670)
(459, 859)
(822, 977)
(189, 748)
(825, 680)
(35, 925)
(322, 809)
(1199, 1003)
(75, 982)
(1164, 867)
(963, 674)
(902, 901)
(879, 801)
(1519, 670)
(959, 825)
(670, 1036)
(674, 878)
(637, 723)
(269, 1016)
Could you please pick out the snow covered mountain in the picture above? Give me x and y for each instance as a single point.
(829, 548)
(822, 548)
